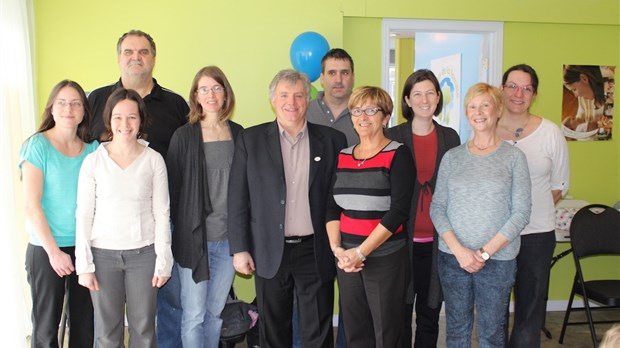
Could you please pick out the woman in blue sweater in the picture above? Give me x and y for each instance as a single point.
(481, 203)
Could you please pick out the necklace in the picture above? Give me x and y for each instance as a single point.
(217, 132)
(520, 130)
(482, 148)
(359, 164)
(372, 153)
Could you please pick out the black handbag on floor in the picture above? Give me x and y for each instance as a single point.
(236, 320)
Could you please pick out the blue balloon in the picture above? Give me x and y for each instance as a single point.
(307, 50)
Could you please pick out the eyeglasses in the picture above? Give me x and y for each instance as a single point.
(75, 104)
(215, 89)
(369, 111)
(513, 88)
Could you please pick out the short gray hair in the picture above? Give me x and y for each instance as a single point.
(135, 32)
(291, 76)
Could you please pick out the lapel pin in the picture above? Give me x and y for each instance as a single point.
(317, 158)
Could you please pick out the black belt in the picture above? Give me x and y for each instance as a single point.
(297, 239)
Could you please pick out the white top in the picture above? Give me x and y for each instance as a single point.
(547, 159)
(123, 209)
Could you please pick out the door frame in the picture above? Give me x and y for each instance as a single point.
(494, 32)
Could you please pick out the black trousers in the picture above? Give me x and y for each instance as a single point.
(48, 291)
(426, 318)
(373, 301)
(531, 287)
(297, 276)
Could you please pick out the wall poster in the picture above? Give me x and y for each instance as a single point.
(588, 102)
(448, 72)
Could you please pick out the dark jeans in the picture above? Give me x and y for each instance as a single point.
(48, 291)
(531, 287)
(169, 312)
(487, 290)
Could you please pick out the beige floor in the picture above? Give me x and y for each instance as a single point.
(576, 336)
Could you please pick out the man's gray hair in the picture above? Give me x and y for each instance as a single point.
(134, 32)
(290, 76)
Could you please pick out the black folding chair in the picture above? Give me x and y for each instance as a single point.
(594, 231)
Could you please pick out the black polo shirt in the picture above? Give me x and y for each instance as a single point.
(167, 110)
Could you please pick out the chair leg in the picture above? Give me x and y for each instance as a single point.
(63, 318)
(586, 305)
(568, 310)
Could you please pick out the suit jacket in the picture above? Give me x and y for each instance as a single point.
(447, 138)
(257, 195)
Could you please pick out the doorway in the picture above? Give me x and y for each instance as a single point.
(460, 53)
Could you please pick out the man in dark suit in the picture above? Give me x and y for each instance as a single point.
(278, 186)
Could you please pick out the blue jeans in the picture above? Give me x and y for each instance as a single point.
(489, 290)
(169, 313)
(203, 302)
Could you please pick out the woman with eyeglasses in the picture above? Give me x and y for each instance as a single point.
(480, 205)
(50, 162)
(198, 161)
(366, 216)
(427, 141)
(547, 157)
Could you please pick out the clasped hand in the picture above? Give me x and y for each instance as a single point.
(469, 260)
(348, 260)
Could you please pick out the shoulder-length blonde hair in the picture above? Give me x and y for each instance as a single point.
(195, 109)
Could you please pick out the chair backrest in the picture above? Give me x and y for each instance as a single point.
(595, 230)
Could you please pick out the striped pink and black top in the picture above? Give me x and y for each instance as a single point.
(370, 191)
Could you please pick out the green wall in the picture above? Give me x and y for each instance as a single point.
(250, 41)
(546, 41)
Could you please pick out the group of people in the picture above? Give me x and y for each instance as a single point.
(154, 217)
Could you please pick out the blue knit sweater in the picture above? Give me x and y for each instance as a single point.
(479, 195)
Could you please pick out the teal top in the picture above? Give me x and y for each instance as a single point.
(60, 177)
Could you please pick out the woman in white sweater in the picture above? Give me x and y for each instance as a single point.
(123, 230)
(547, 158)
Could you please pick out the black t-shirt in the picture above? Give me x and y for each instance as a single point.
(167, 110)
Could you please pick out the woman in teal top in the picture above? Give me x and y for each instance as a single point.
(50, 162)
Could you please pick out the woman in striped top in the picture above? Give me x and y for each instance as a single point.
(369, 206)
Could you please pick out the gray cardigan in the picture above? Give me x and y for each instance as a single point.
(189, 198)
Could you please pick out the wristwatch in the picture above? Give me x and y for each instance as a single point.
(485, 256)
